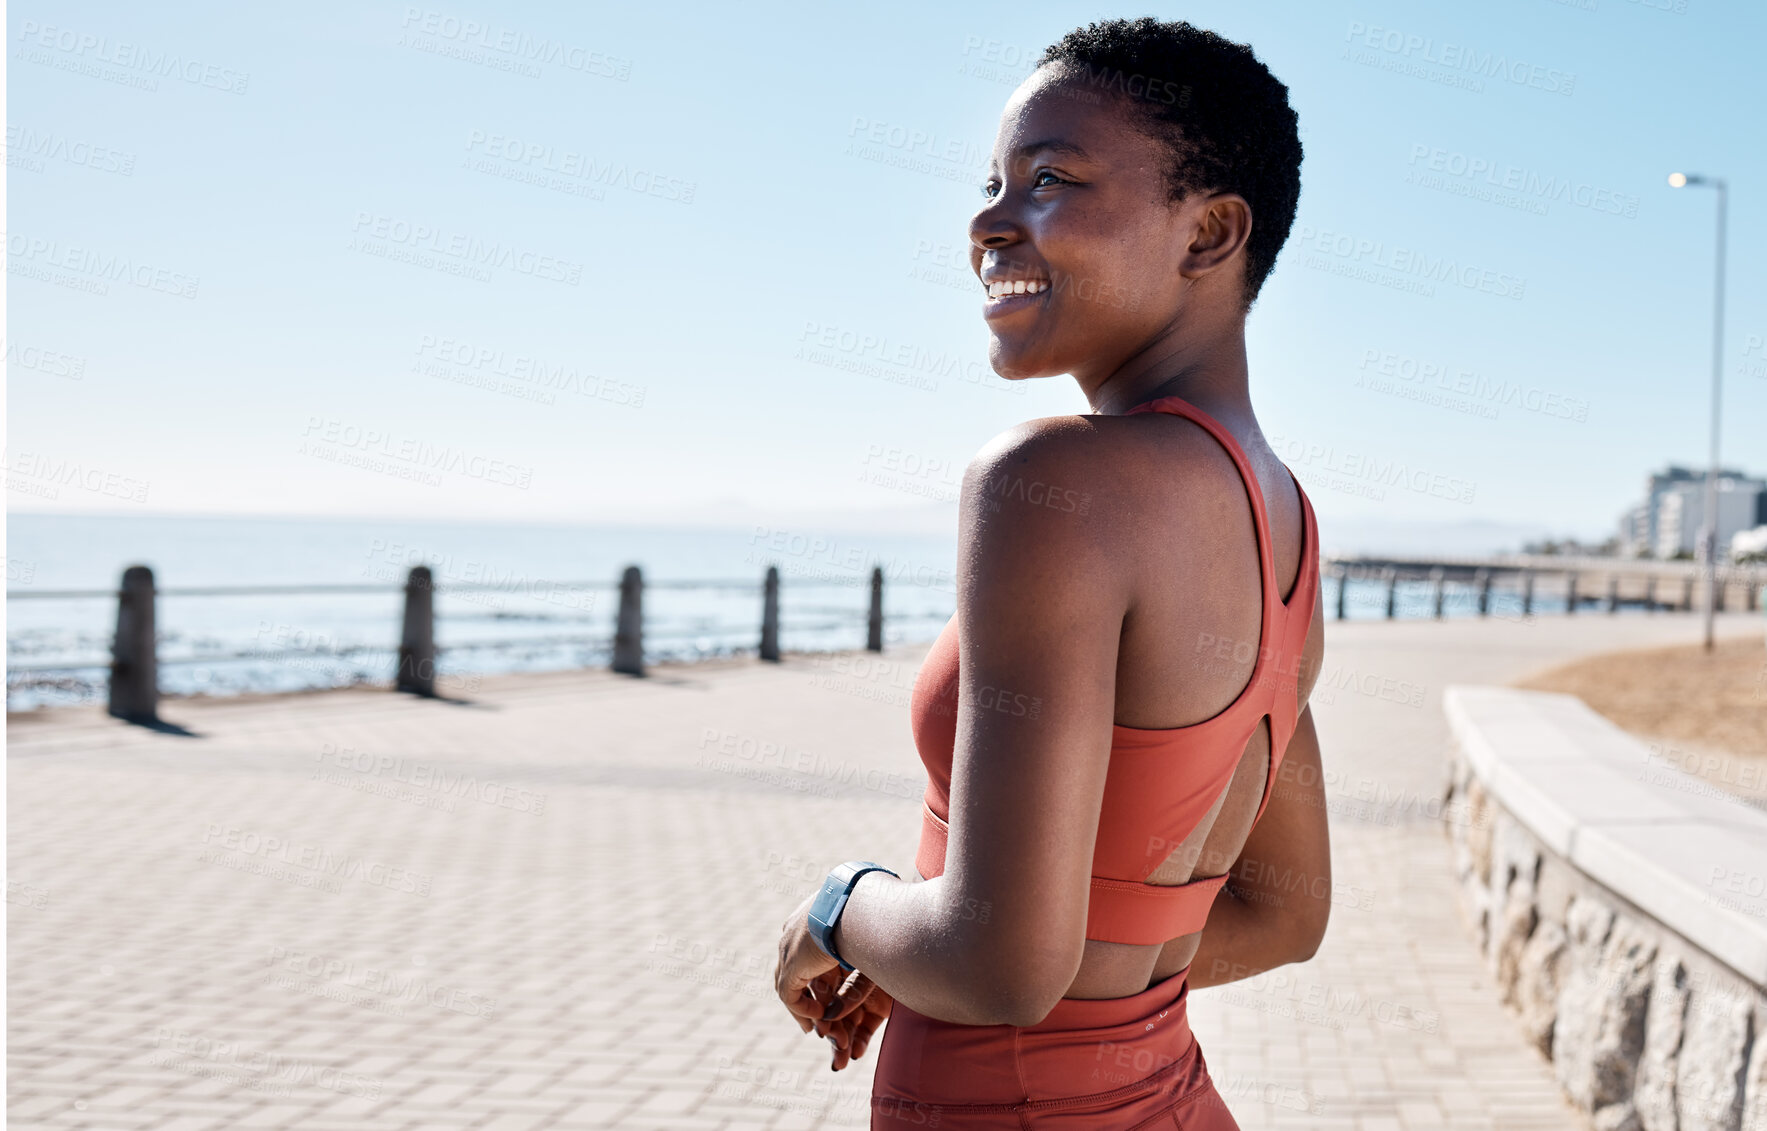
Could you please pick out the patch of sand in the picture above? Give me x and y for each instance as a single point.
(1707, 712)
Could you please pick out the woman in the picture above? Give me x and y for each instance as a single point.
(1114, 724)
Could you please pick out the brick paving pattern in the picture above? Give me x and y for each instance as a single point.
(555, 906)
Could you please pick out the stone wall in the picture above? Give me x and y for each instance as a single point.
(1645, 1027)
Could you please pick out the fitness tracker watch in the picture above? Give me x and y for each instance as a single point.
(825, 910)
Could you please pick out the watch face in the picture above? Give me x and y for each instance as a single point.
(825, 911)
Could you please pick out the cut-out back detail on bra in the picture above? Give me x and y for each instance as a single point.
(1160, 783)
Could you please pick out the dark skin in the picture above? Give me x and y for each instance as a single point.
(1102, 617)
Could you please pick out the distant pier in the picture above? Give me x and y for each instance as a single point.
(1578, 583)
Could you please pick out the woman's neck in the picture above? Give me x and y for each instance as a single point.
(1212, 377)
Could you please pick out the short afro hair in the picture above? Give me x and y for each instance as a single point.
(1222, 115)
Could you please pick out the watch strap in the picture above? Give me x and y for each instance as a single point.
(826, 908)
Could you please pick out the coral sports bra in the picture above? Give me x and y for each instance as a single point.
(1160, 783)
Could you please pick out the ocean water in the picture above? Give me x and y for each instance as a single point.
(530, 612)
(546, 600)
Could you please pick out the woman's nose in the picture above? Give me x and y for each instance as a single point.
(991, 227)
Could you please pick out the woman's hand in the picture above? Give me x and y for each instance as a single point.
(866, 1006)
(847, 1008)
(857, 1008)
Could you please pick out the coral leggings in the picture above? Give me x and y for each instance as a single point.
(1117, 1064)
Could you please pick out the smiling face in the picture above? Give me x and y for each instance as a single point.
(1088, 261)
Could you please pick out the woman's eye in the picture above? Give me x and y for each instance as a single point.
(992, 188)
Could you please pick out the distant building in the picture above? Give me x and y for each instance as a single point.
(1638, 529)
(1668, 522)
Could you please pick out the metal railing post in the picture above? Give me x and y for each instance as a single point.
(770, 617)
(874, 619)
(417, 640)
(629, 629)
(134, 668)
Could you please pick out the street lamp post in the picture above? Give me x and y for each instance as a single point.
(1709, 536)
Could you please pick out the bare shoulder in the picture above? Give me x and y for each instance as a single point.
(1059, 464)
(1094, 465)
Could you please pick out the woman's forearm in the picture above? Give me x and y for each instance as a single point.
(907, 938)
(1274, 908)
(1245, 937)
(921, 945)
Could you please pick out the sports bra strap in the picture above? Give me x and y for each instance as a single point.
(1276, 630)
(1178, 406)
(1125, 911)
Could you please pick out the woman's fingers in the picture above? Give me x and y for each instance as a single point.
(807, 997)
(842, 1007)
(868, 1020)
(868, 1024)
(817, 1001)
(849, 996)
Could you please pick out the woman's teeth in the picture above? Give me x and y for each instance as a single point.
(1017, 287)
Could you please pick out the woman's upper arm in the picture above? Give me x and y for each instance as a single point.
(1040, 607)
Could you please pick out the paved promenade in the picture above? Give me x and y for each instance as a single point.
(555, 906)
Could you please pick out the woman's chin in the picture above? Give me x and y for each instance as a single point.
(1016, 366)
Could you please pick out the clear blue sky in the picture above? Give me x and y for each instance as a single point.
(723, 204)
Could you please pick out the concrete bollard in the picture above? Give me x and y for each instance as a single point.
(1527, 592)
(874, 618)
(1570, 593)
(770, 617)
(1613, 592)
(1438, 581)
(629, 628)
(417, 640)
(134, 667)
(1483, 580)
(1392, 592)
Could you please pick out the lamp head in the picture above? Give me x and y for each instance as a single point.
(1677, 180)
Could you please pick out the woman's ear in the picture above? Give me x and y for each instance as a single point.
(1223, 225)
